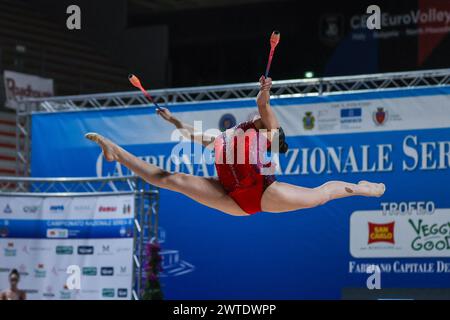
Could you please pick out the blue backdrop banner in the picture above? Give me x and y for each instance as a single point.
(399, 137)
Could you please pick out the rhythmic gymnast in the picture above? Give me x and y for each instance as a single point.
(242, 188)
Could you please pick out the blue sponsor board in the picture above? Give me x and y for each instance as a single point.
(67, 229)
(296, 255)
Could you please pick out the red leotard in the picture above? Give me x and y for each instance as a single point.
(242, 180)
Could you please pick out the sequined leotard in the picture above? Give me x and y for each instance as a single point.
(244, 181)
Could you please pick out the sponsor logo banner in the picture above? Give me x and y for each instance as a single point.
(374, 234)
(68, 229)
(43, 236)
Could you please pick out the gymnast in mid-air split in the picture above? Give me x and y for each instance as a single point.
(245, 183)
(242, 188)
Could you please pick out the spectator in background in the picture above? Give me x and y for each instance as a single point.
(13, 293)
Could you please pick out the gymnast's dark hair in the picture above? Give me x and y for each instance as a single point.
(282, 146)
(282, 137)
(14, 272)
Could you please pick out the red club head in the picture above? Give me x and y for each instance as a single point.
(135, 81)
(274, 39)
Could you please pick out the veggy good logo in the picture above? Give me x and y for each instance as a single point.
(381, 232)
(430, 237)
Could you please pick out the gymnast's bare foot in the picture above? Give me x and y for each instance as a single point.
(110, 149)
(373, 189)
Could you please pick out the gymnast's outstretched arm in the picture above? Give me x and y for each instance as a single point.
(187, 130)
(268, 119)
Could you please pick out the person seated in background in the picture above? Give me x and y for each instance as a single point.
(13, 293)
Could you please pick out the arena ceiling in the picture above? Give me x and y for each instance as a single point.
(175, 5)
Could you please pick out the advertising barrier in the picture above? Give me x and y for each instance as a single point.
(68, 247)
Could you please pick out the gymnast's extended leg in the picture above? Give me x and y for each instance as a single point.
(283, 197)
(207, 191)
